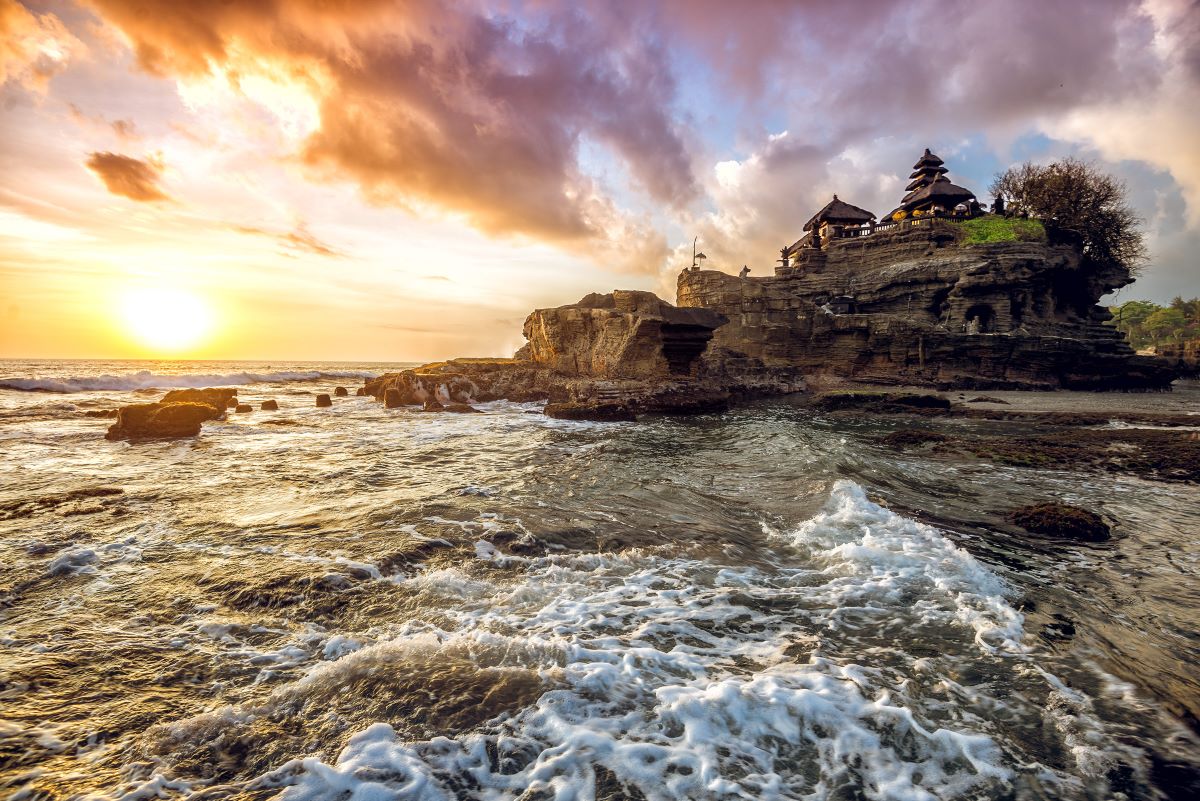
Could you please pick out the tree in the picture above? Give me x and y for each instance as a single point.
(1166, 324)
(1074, 195)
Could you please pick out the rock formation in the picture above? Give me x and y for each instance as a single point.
(217, 397)
(162, 420)
(918, 305)
(622, 335)
(244, 407)
(324, 400)
(340, 392)
(626, 348)
(270, 406)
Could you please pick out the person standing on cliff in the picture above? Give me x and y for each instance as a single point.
(745, 271)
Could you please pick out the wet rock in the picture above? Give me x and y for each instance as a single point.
(598, 412)
(161, 420)
(360, 392)
(218, 397)
(270, 406)
(460, 408)
(244, 407)
(912, 438)
(340, 392)
(988, 399)
(100, 413)
(324, 400)
(392, 398)
(881, 402)
(1061, 520)
(432, 405)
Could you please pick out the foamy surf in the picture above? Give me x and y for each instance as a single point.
(144, 379)
(685, 679)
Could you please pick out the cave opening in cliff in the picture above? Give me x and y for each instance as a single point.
(682, 345)
(981, 319)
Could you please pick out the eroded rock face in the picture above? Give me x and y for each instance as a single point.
(161, 420)
(621, 335)
(918, 306)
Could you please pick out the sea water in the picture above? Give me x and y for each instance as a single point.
(361, 603)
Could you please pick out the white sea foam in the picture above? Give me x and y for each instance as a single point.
(144, 379)
(673, 674)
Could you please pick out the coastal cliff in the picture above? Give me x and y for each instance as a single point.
(919, 305)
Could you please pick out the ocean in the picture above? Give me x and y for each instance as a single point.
(361, 603)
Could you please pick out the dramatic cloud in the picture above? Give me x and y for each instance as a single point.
(33, 47)
(458, 110)
(128, 177)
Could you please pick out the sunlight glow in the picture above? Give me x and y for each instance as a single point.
(165, 319)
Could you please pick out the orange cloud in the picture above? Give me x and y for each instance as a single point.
(425, 106)
(128, 177)
(33, 47)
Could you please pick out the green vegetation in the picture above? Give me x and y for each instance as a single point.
(994, 228)
(1077, 197)
(1148, 325)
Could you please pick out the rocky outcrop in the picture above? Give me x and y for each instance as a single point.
(244, 407)
(627, 349)
(270, 406)
(163, 420)
(340, 392)
(220, 398)
(920, 306)
(621, 335)
(323, 400)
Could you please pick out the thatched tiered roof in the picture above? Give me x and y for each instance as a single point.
(930, 187)
(839, 212)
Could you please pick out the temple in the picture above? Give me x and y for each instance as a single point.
(932, 192)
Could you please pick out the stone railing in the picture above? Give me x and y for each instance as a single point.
(896, 225)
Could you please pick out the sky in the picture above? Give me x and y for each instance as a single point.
(404, 180)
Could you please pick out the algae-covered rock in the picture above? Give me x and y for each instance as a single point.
(1061, 520)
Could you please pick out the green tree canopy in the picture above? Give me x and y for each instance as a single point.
(1078, 197)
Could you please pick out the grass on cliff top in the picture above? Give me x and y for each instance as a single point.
(994, 228)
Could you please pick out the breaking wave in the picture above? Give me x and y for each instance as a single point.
(144, 379)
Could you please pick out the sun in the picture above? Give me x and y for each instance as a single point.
(165, 319)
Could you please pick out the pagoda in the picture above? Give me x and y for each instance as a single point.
(931, 190)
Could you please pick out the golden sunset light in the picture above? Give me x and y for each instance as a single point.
(599, 400)
(165, 321)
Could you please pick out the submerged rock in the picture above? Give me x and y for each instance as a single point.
(881, 402)
(460, 408)
(100, 413)
(270, 406)
(599, 412)
(912, 438)
(244, 407)
(340, 392)
(161, 420)
(1061, 520)
(324, 400)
